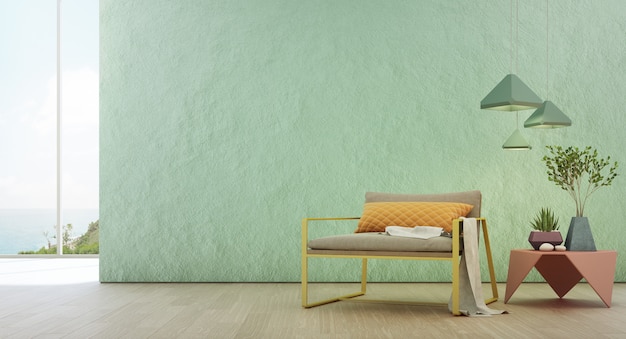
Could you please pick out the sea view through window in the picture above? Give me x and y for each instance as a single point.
(30, 152)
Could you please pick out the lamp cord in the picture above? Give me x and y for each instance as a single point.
(547, 52)
(511, 40)
(516, 35)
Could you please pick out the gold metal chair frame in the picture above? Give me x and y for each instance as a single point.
(453, 257)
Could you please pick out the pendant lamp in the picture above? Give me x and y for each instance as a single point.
(548, 115)
(511, 94)
(516, 141)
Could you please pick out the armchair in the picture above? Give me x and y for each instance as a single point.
(376, 245)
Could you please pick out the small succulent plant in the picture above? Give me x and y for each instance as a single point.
(545, 221)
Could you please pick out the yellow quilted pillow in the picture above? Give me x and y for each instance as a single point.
(378, 215)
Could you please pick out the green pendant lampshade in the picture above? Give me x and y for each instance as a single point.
(548, 116)
(511, 94)
(516, 142)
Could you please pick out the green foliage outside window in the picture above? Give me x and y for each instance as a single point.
(88, 243)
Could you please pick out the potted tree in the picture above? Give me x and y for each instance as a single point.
(580, 172)
(545, 230)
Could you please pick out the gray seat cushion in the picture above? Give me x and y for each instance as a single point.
(380, 242)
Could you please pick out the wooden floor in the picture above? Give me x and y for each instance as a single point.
(36, 302)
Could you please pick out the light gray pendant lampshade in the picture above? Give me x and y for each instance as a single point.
(548, 116)
(511, 94)
(516, 142)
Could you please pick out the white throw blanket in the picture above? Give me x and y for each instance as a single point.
(471, 300)
(420, 232)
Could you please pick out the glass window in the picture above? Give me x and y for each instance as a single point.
(28, 122)
(80, 63)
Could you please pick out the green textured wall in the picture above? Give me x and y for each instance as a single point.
(223, 123)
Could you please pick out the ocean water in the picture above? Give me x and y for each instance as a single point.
(23, 229)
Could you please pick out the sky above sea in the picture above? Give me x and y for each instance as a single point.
(28, 103)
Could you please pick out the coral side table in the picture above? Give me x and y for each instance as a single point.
(563, 270)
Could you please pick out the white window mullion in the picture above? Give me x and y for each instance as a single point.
(59, 206)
